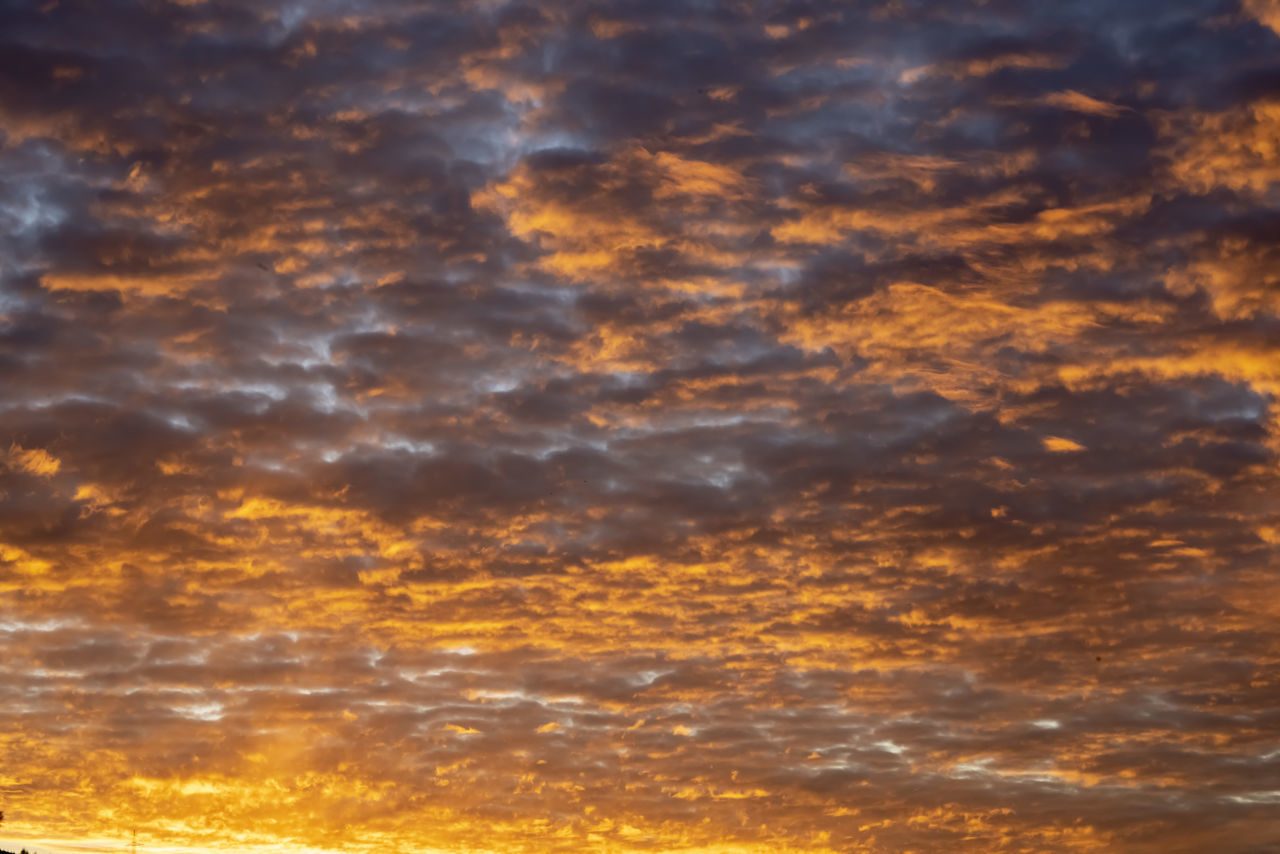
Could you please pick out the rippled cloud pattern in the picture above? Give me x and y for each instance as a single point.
(640, 426)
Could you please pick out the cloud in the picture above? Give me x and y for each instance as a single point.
(1266, 11)
(36, 461)
(478, 426)
(1081, 103)
(1058, 445)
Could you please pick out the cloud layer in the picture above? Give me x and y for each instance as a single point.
(632, 426)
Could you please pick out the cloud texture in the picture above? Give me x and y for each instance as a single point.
(640, 426)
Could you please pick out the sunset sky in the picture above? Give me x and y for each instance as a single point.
(699, 426)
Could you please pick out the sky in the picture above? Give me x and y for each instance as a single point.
(697, 426)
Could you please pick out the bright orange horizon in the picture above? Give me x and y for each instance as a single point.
(638, 426)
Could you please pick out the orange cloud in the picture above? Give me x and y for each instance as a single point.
(36, 461)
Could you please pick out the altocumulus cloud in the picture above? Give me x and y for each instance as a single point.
(636, 426)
